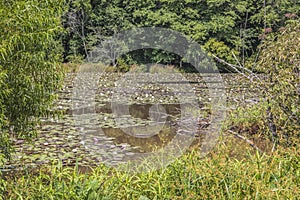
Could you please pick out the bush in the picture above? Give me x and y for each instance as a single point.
(280, 60)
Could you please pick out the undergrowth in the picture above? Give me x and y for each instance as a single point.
(217, 176)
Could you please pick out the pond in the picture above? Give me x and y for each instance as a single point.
(118, 125)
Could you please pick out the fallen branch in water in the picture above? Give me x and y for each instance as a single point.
(239, 69)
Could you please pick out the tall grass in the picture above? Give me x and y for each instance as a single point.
(217, 176)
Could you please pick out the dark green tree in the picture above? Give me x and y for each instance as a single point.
(231, 30)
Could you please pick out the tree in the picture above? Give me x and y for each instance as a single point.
(76, 21)
(30, 72)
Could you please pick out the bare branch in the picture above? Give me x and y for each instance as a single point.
(236, 68)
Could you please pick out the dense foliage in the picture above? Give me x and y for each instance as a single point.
(222, 27)
(29, 64)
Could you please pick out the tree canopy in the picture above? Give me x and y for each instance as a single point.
(221, 27)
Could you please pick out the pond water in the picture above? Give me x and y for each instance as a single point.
(109, 129)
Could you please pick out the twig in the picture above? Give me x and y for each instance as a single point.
(246, 140)
(272, 128)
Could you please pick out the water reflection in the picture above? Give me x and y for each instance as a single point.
(135, 110)
(161, 127)
(146, 144)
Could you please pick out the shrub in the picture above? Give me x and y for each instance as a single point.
(280, 60)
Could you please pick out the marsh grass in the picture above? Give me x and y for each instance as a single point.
(87, 67)
(220, 175)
